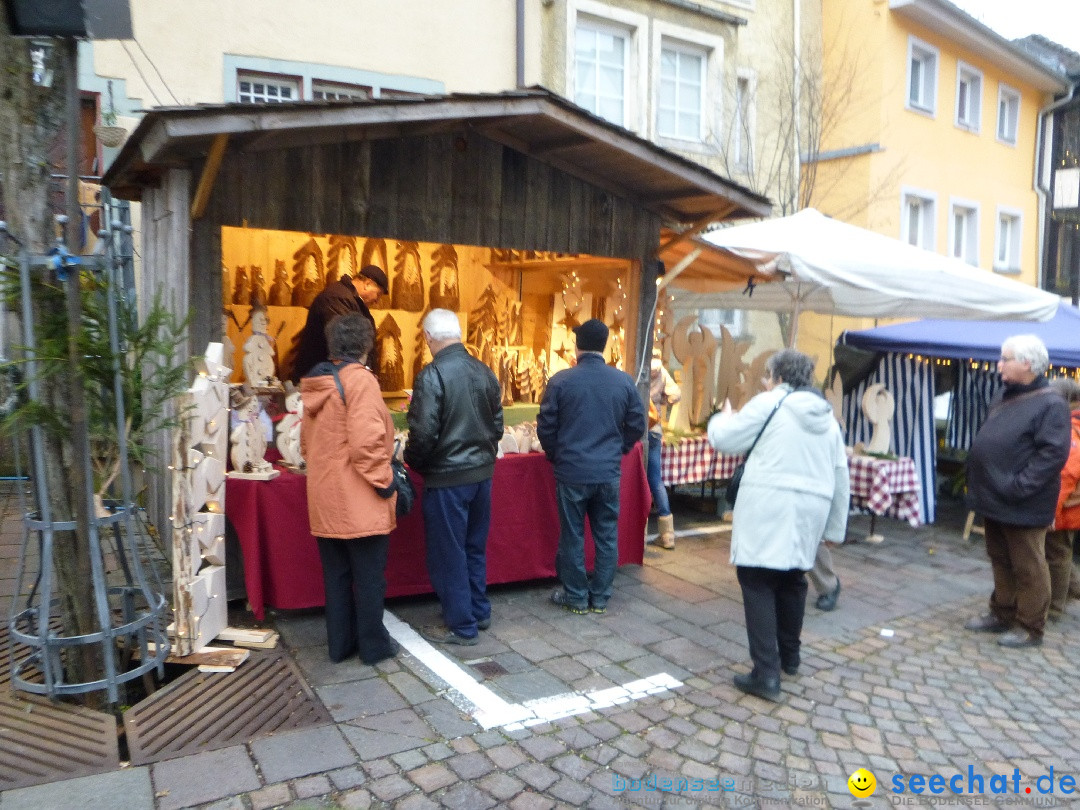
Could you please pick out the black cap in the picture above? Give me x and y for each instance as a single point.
(591, 336)
(375, 273)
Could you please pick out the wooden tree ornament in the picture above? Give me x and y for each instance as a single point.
(391, 369)
(407, 289)
(443, 292)
(309, 273)
(341, 258)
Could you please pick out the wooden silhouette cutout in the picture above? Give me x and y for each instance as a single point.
(341, 258)
(443, 292)
(391, 369)
(280, 290)
(407, 290)
(309, 273)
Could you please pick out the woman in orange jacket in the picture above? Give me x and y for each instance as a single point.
(347, 438)
(1059, 541)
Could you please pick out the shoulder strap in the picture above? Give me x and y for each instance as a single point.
(766, 424)
(337, 380)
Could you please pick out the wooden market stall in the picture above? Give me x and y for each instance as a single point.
(519, 211)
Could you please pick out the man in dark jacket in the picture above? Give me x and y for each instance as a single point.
(346, 294)
(1013, 474)
(455, 424)
(591, 415)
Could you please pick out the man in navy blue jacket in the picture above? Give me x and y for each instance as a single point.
(591, 416)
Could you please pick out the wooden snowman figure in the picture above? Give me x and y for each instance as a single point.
(248, 439)
(288, 437)
(260, 352)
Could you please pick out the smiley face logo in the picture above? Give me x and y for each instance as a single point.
(862, 783)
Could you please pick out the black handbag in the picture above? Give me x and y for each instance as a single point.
(731, 489)
(399, 481)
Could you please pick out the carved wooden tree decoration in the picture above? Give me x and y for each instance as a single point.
(341, 258)
(375, 253)
(483, 323)
(258, 287)
(694, 348)
(443, 292)
(309, 273)
(391, 369)
(241, 287)
(421, 353)
(407, 289)
(280, 290)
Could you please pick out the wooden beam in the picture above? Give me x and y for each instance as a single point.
(209, 175)
(696, 228)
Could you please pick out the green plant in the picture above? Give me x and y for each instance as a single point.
(150, 377)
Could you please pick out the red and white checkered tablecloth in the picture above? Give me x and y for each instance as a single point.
(885, 487)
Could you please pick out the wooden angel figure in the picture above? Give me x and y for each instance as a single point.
(260, 352)
(288, 428)
(375, 253)
(444, 278)
(407, 289)
(695, 348)
(280, 290)
(241, 287)
(341, 258)
(309, 273)
(258, 287)
(391, 369)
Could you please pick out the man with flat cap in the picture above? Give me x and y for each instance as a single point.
(347, 294)
(590, 417)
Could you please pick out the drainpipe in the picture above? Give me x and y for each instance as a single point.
(520, 44)
(1041, 190)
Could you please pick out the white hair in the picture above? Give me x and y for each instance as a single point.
(442, 324)
(1029, 348)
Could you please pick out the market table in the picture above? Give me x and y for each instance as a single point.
(888, 487)
(281, 559)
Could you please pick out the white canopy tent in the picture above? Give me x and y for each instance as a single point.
(823, 265)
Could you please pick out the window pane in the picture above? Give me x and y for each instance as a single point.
(1003, 240)
(914, 92)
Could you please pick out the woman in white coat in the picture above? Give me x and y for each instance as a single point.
(794, 492)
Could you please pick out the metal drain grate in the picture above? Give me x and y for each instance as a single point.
(203, 711)
(490, 669)
(43, 742)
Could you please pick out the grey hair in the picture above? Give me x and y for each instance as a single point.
(1029, 348)
(1067, 387)
(350, 336)
(442, 324)
(791, 366)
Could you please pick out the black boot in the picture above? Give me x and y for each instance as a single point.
(765, 688)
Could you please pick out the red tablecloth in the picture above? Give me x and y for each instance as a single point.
(281, 560)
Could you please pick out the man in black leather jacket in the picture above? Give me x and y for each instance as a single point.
(455, 424)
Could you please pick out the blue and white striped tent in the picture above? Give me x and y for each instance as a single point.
(906, 371)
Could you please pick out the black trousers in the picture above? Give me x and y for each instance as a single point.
(774, 603)
(354, 575)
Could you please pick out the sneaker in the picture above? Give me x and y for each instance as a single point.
(827, 601)
(987, 623)
(598, 608)
(484, 624)
(559, 597)
(1019, 638)
(440, 635)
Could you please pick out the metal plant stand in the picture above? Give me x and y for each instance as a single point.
(130, 614)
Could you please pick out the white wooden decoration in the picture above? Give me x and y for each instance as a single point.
(879, 407)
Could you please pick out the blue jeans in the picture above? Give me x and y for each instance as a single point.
(456, 521)
(601, 503)
(656, 484)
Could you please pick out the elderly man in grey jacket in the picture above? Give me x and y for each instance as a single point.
(794, 492)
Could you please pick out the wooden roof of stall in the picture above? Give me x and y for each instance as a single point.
(535, 122)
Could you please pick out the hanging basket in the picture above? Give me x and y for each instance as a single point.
(110, 136)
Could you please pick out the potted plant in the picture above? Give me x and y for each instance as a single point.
(108, 131)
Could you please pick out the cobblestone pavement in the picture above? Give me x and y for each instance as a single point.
(890, 682)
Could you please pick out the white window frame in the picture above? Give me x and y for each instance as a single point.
(925, 53)
(1011, 261)
(969, 249)
(309, 74)
(665, 34)
(969, 101)
(927, 237)
(266, 80)
(334, 91)
(683, 81)
(635, 78)
(743, 121)
(1012, 97)
(712, 319)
